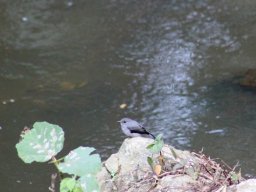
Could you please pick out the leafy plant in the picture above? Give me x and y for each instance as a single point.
(150, 162)
(45, 141)
(154, 148)
(70, 184)
(206, 172)
(157, 145)
(79, 162)
(41, 143)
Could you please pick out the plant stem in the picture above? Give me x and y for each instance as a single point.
(56, 162)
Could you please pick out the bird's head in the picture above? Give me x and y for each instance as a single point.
(124, 121)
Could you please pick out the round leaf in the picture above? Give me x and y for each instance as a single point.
(67, 184)
(89, 183)
(70, 184)
(41, 143)
(79, 162)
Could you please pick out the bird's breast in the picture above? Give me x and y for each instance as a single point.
(126, 130)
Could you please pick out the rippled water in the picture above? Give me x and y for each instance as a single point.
(176, 64)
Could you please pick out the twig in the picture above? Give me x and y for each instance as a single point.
(236, 165)
(164, 174)
(205, 168)
(205, 176)
(53, 181)
(226, 164)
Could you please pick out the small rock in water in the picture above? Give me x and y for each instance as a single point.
(249, 79)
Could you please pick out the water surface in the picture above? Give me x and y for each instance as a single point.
(176, 64)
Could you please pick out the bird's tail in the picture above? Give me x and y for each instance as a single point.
(153, 136)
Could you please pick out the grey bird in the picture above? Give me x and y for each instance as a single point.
(132, 128)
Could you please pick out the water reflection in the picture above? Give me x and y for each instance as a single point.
(170, 53)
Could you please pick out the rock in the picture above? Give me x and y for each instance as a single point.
(249, 79)
(245, 186)
(131, 168)
(129, 165)
(176, 183)
(133, 153)
(129, 171)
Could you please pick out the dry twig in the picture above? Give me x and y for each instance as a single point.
(53, 181)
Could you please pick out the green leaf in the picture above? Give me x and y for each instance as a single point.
(70, 185)
(150, 145)
(235, 177)
(41, 143)
(89, 183)
(157, 145)
(79, 162)
(159, 137)
(150, 161)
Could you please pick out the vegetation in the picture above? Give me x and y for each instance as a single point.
(77, 170)
(156, 148)
(211, 175)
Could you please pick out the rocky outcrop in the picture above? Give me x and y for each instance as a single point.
(129, 171)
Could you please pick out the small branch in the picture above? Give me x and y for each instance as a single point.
(226, 164)
(236, 165)
(53, 181)
(56, 162)
(205, 176)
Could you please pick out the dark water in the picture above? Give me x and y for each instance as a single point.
(176, 64)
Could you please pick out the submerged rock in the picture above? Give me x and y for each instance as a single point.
(249, 79)
(128, 171)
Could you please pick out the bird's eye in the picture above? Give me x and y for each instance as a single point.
(124, 121)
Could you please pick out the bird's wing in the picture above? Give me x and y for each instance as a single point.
(138, 129)
(141, 130)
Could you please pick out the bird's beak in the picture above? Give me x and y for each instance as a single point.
(119, 121)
